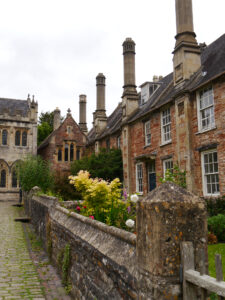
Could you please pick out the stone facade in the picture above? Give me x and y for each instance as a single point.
(64, 145)
(177, 119)
(18, 137)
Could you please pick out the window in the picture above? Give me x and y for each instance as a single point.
(167, 165)
(66, 152)
(3, 178)
(210, 173)
(71, 152)
(4, 137)
(206, 118)
(78, 154)
(147, 134)
(151, 176)
(166, 126)
(14, 179)
(24, 139)
(108, 144)
(59, 155)
(139, 178)
(118, 142)
(17, 138)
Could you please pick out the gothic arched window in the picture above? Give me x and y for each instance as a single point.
(14, 179)
(17, 138)
(24, 138)
(3, 178)
(78, 154)
(59, 155)
(71, 152)
(4, 137)
(66, 152)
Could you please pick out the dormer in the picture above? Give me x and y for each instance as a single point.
(148, 89)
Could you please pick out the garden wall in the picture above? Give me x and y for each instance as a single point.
(97, 261)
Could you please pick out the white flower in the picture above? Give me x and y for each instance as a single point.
(134, 198)
(129, 223)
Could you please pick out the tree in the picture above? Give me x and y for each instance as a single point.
(45, 126)
(34, 171)
(106, 165)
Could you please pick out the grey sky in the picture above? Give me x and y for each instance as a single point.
(55, 49)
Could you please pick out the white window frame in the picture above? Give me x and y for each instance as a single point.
(166, 162)
(210, 175)
(119, 142)
(147, 133)
(139, 178)
(166, 126)
(201, 127)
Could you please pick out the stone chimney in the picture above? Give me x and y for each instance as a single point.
(57, 119)
(83, 123)
(130, 96)
(186, 60)
(100, 119)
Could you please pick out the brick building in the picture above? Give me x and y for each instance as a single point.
(67, 141)
(176, 119)
(18, 137)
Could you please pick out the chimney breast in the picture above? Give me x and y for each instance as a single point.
(57, 119)
(83, 123)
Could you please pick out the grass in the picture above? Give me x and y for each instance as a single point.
(212, 250)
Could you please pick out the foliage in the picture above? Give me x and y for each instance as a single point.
(43, 131)
(212, 250)
(176, 175)
(102, 200)
(66, 264)
(216, 225)
(212, 239)
(63, 189)
(107, 165)
(215, 206)
(34, 171)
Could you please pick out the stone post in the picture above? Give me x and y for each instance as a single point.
(166, 217)
(83, 123)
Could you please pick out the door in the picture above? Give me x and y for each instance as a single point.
(151, 176)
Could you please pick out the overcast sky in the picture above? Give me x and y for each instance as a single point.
(55, 48)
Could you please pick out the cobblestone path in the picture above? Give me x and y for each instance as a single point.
(19, 278)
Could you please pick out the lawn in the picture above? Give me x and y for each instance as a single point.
(212, 250)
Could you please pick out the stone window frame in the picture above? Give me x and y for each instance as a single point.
(119, 142)
(210, 173)
(147, 130)
(166, 126)
(139, 178)
(3, 166)
(59, 149)
(7, 135)
(202, 95)
(21, 131)
(12, 179)
(167, 165)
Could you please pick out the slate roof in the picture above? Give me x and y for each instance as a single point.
(14, 106)
(213, 65)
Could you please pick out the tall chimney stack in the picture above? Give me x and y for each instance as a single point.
(56, 119)
(186, 58)
(130, 96)
(83, 123)
(100, 119)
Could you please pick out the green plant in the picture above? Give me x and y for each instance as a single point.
(66, 264)
(175, 175)
(107, 164)
(34, 171)
(215, 206)
(216, 225)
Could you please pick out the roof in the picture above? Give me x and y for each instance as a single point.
(14, 107)
(212, 66)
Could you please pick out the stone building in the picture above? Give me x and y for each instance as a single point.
(67, 141)
(175, 119)
(18, 137)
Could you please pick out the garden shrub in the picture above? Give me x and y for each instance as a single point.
(63, 188)
(34, 171)
(215, 206)
(216, 225)
(176, 176)
(107, 165)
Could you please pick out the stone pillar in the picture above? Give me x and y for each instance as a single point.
(166, 217)
(57, 119)
(187, 51)
(100, 119)
(83, 123)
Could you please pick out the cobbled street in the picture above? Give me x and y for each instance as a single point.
(24, 274)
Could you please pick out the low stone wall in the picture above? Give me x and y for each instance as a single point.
(97, 261)
(102, 259)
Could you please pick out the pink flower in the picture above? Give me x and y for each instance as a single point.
(78, 208)
(129, 209)
(92, 217)
(84, 207)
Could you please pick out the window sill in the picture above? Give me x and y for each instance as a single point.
(146, 146)
(205, 130)
(166, 143)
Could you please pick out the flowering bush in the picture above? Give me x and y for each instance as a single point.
(102, 200)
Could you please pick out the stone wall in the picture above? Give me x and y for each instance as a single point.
(103, 262)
